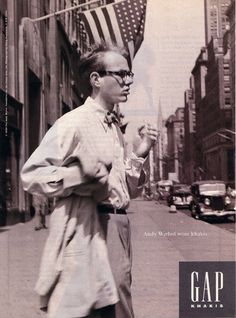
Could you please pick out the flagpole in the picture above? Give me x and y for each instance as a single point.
(65, 10)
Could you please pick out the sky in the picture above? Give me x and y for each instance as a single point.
(174, 35)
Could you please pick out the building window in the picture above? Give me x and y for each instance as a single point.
(227, 102)
(227, 89)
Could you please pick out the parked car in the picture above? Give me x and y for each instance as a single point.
(210, 199)
(232, 197)
(163, 188)
(180, 196)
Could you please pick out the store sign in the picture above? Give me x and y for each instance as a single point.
(206, 289)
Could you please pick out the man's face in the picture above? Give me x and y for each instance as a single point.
(115, 88)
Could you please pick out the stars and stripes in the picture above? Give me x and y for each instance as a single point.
(121, 22)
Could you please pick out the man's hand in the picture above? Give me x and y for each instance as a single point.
(147, 136)
(95, 185)
(92, 168)
(102, 174)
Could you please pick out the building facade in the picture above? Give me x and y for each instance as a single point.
(175, 139)
(230, 46)
(209, 113)
(159, 149)
(199, 73)
(216, 20)
(189, 174)
(10, 107)
(214, 106)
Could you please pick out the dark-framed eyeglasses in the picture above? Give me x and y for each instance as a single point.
(122, 74)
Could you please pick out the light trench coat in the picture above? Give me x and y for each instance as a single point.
(75, 275)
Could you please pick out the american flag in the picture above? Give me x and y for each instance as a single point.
(121, 22)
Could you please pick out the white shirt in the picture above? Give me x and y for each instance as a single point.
(71, 150)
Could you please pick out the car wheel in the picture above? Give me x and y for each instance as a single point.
(194, 212)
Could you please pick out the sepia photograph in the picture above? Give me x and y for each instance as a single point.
(117, 159)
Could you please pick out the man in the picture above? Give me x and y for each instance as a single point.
(86, 266)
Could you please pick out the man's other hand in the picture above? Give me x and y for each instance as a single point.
(147, 136)
(102, 174)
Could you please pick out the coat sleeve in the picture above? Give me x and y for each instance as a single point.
(54, 168)
(136, 174)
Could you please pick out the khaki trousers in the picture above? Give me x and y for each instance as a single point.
(116, 228)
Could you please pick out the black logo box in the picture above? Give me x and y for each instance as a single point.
(212, 287)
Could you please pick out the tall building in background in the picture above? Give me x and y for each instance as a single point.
(189, 134)
(216, 20)
(160, 146)
(229, 46)
(214, 104)
(209, 113)
(175, 137)
(199, 73)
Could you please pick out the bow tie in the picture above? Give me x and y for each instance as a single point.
(110, 118)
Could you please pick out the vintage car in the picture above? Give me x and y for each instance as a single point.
(232, 198)
(180, 196)
(210, 199)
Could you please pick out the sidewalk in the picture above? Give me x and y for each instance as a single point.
(155, 260)
(20, 252)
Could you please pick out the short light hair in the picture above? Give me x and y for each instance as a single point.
(93, 61)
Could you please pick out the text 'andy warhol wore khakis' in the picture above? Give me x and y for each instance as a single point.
(86, 262)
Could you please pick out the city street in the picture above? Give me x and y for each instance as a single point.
(226, 224)
(160, 240)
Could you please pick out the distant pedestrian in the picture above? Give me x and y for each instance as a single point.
(40, 203)
(86, 265)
